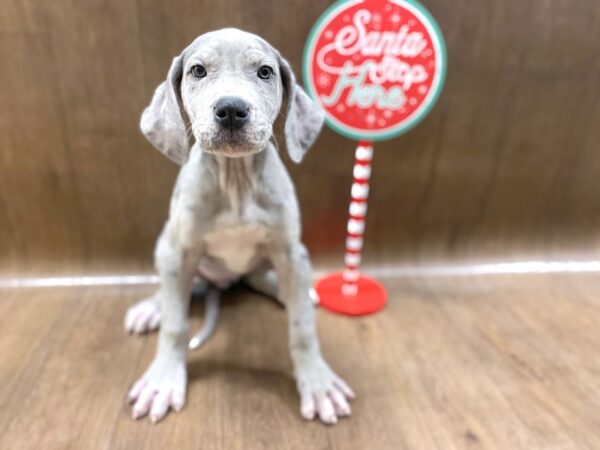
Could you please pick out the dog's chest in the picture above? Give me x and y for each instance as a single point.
(236, 245)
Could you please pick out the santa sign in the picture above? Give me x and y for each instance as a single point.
(376, 67)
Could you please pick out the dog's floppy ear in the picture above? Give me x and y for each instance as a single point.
(164, 122)
(303, 117)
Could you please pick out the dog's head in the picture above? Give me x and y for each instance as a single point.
(224, 92)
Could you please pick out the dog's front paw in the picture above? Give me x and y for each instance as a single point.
(322, 393)
(143, 317)
(161, 388)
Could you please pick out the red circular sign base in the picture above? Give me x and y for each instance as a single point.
(370, 297)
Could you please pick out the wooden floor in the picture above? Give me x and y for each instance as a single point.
(497, 362)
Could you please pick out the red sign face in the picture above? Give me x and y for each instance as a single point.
(376, 67)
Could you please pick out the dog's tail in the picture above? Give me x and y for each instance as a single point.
(211, 317)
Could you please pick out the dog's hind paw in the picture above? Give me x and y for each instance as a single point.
(143, 317)
(161, 388)
(322, 393)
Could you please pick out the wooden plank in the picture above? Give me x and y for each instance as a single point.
(452, 363)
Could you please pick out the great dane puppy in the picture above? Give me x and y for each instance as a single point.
(233, 212)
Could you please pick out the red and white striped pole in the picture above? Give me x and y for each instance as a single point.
(351, 292)
(357, 216)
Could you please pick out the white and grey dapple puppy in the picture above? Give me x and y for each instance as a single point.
(233, 212)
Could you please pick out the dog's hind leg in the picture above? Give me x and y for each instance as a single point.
(144, 316)
(264, 280)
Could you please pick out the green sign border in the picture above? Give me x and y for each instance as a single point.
(404, 127)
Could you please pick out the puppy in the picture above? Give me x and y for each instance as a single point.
(233, 214)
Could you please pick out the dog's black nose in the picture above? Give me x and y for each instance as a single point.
(231, 112)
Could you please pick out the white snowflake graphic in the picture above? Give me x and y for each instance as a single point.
(323, 80)
(371, 118)
(422, 90)
(328, 34)
(376, 17)
(340, 108)
(387, 113)
(412, 101)
(395, 18)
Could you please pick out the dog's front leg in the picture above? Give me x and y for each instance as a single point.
(163, 385)
(322, 392)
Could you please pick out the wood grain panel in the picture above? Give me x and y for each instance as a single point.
(452, 363)
(506, 165)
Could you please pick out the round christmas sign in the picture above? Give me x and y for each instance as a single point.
(376, 67)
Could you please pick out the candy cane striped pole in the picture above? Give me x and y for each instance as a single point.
(357, 217)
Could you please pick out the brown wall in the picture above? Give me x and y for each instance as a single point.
(507, 164)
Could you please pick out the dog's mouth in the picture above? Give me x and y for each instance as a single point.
(234, 143)
(232, 146)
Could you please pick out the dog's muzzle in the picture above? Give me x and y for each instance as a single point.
(231, 112)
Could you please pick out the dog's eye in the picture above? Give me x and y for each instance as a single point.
(198, 71)
(265, 72)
